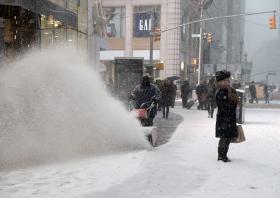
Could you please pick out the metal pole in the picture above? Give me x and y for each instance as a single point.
(152, 41)
(200, 44)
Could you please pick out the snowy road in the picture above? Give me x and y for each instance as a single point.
(184, 167)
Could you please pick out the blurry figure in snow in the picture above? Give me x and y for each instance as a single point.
(227, 101)
(174, 93)
(144, 93)
(110, 86)
(185, 91)
(253, 92)
(167, 95)
(158, 83)
(211, 97)
(236, 85)
(266, 94)
(201, 92)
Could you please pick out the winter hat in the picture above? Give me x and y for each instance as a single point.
(222, 75)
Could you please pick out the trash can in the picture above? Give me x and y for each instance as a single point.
(240, 111)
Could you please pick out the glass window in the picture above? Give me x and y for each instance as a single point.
(115, 17)
(144, 17)
(47, 38)
(72, 36)
(52, 31)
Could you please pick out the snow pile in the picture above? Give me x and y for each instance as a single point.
(53, 106)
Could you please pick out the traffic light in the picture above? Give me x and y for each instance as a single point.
(159, 66)
(157, 34)
(209, 38)
(205, 35)
(272, 22)
(194, 61)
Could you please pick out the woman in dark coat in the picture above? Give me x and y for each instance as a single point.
(227, 101)
(167, 92)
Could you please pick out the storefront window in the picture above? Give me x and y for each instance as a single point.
(144, 18)
(72, 37)
(52, 31)
(115, 17)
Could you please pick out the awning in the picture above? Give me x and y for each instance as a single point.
(46, 8)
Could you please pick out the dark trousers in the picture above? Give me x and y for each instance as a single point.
(266, 99)
(223, 147)
(211, 107)
(254, 98)
(184, 101)
(165, 111)
(224, 142)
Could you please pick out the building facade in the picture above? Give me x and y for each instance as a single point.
(129, 23)
(225, 51)
(43, 23)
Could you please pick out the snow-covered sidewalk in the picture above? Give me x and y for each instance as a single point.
(184, 167)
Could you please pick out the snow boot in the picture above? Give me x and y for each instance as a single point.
(223, 155)
(226, 159)
(220, 154)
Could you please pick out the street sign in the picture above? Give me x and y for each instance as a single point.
(195, 35)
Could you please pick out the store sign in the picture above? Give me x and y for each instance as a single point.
(142, 25)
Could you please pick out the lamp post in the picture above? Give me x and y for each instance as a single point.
(200, 43)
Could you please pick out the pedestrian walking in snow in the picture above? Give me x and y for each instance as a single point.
(174, 93)
(158, 83)
(167, 94)
(185, 91)
(253, 92)
(201, 92)
(227, 101)
(211, 97)
(266, 94)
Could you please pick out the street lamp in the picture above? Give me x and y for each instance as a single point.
(182, 66)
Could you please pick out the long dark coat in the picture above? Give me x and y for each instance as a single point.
(226, 117)
(167, 94)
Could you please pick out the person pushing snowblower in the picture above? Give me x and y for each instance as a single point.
(146, 95)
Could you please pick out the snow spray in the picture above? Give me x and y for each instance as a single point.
(53, 106)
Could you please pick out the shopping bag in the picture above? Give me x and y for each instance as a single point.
(240, 135)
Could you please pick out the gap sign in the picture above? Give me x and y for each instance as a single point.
(142, 24)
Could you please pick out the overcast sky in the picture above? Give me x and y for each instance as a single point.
(257, 31)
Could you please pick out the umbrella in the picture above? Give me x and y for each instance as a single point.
(172, 78)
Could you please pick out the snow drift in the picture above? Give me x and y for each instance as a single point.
(53, 106)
